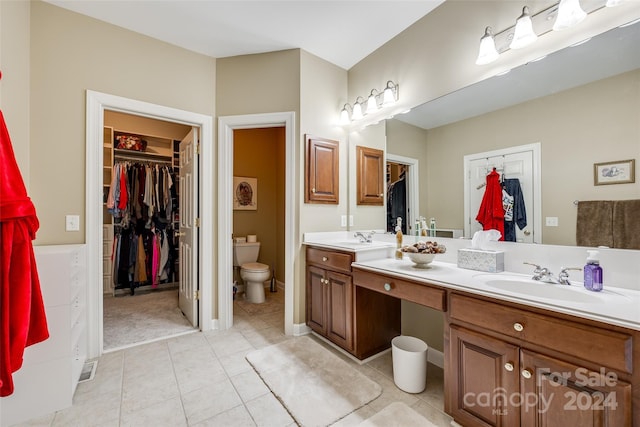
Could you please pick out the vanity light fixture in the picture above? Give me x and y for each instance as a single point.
(560, 15)
(569, 14)
(523, 34)
(375, 102)
(487, 52)
(372, 101)
(390, 94)
(357, 113)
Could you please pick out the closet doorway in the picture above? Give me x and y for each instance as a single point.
(97, 104)
(402, 192)
(149, 237)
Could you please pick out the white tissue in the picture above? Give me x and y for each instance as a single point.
(480, 238)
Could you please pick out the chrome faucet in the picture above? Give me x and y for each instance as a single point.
(542, 274)
(364, 237)
(563, 276)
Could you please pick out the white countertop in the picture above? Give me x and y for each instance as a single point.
(615, 306)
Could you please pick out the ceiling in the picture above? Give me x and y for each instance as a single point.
(342, 32)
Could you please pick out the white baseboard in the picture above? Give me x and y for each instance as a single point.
(300, 329)
(435, 357)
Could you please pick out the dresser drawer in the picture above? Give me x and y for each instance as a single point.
(329, 259)
(612, 349)
(419, 293)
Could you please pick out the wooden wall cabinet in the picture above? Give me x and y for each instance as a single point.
(370, 176)
(322, 170)
(511, 367)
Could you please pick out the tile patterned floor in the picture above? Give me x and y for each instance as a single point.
(203, 379)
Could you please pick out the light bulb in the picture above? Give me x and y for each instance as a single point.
(569, 14)
(523, 34)
(487, 52)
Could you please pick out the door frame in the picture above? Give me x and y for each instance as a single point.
(411, 177)
(96, 104)
(226, 126)
(537, 184)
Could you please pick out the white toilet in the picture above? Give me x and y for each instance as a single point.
(253, 273)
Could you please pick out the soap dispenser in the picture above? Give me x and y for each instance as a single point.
(593, 272)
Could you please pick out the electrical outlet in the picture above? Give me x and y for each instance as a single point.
(72, 223)
(343, 221)
(551, 221)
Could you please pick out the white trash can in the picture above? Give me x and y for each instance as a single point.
(409, 356)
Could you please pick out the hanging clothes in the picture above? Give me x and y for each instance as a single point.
(516, 212)
(397, 204)
(23, 319)
(491, 212)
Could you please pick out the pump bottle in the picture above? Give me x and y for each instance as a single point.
(593, 272)
(399, 238)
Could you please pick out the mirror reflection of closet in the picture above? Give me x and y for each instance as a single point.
(397, 191)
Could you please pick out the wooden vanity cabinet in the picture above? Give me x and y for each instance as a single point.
(329, 304)
(508, 366)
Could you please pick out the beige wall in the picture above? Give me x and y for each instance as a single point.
(437, 54)
(14, 86)
(71, 53)
(574, 133)
(259, 153)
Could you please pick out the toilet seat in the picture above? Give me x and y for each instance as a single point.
(254, 267)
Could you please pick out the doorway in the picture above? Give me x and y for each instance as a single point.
(147, 279)
(402, 192)
(517, 166)
(226, 127)
(97, 104)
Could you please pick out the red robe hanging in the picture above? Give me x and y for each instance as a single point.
(22, 316)
(491, 212)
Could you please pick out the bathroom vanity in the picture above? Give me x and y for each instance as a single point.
(513, 355)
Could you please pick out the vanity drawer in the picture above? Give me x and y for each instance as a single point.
(329, 259)
(419, 293)
(612, 349)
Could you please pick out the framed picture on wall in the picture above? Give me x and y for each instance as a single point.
(245, 193)
(618, 172)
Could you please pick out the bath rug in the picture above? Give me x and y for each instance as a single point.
(315, 386)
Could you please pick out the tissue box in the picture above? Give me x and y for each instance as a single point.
(481, 260)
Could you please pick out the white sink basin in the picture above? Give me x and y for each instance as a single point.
(522, 285)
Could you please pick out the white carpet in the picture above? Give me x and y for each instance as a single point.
(316, 386)
(397, 414)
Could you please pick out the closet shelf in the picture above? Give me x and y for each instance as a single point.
(141, 156)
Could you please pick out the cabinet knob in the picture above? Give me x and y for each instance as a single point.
(526, 373)
(518, 327)
(313, 190)
(325, 259)
(387, 287)
(508, 366)
(381, 195)
(527, 233)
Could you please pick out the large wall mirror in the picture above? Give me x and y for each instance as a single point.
(581, 104)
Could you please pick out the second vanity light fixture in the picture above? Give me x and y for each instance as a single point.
(374, 102)
(564, 14)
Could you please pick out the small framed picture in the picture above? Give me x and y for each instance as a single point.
(245, 193)
(619, 172)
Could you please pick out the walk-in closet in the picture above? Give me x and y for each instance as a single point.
(141, 230)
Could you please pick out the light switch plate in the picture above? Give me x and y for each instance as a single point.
(350, 220)
(343, 221)
(551, 221)
(72, 223)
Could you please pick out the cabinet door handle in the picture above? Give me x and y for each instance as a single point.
(526, 373)
(325, 259)
(508, 366)
(518, 327)
(388, 287)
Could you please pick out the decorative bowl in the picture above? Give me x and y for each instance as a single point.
(421, 260)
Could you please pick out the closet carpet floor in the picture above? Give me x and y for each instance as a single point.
(203, 379)
(145, 316)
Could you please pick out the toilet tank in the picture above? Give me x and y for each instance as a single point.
(245, 252)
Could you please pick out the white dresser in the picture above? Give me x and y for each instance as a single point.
(51, 369)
